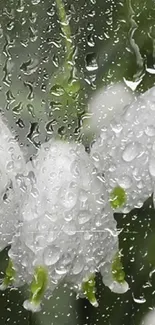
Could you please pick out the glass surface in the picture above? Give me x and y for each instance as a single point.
(68, 71)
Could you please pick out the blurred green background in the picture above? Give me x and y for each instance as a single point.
(114, 39)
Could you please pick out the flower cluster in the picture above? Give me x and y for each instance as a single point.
(57, 210)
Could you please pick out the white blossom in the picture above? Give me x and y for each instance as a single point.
(125, 153)
(105, 104)
(67, 227)
(149, 318)
(11, 166)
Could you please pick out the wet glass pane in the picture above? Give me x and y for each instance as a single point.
(77, 162)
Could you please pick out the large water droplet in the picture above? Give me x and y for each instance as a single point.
(30, 66)
(150, 131)
(68, 197)
(90, 40)
(131, 151)
(35, 2)
(84, 216)
(140, 300)
(78, 265)
(51, 255)
(61, 271)
(91, 62)
(57, 90)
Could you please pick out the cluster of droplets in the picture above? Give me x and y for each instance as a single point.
(125, 153)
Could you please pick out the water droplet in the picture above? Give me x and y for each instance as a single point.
(69, 229)
(150, 131)
(7, 72)
(57, 90)
(31, 109)
(87, 235)
(91, 13)
(35, 2)
(51, 255)
(132, 84)
(55, 106)
(68, 197)
(78, 265)
(1, 31)
(140, 300)
(62, 130)
(91, 62)
(33, 134)
(90, 40)
(18, 108)
(117, 128)
(55, 61)
(33, 17)
(131, 151)
(61, 271)
(10, 25)
(75, 168)
(33, 34)
(150, 70)
(51, 11)
(49, 127)
(30, 95)
(83, 196)
(83, 217)
(10, 97)
(30, 66)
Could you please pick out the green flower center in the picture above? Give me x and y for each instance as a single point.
(89, 290)
(9, 274)
(117, 269)
(38, 285)
(118, 197)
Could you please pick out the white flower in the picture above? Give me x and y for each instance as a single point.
(67, 229)
(11, 166)
(125, 153)
(106, 104)
(149, 317)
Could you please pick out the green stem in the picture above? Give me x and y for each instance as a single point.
(65, 86)
(65, 27)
